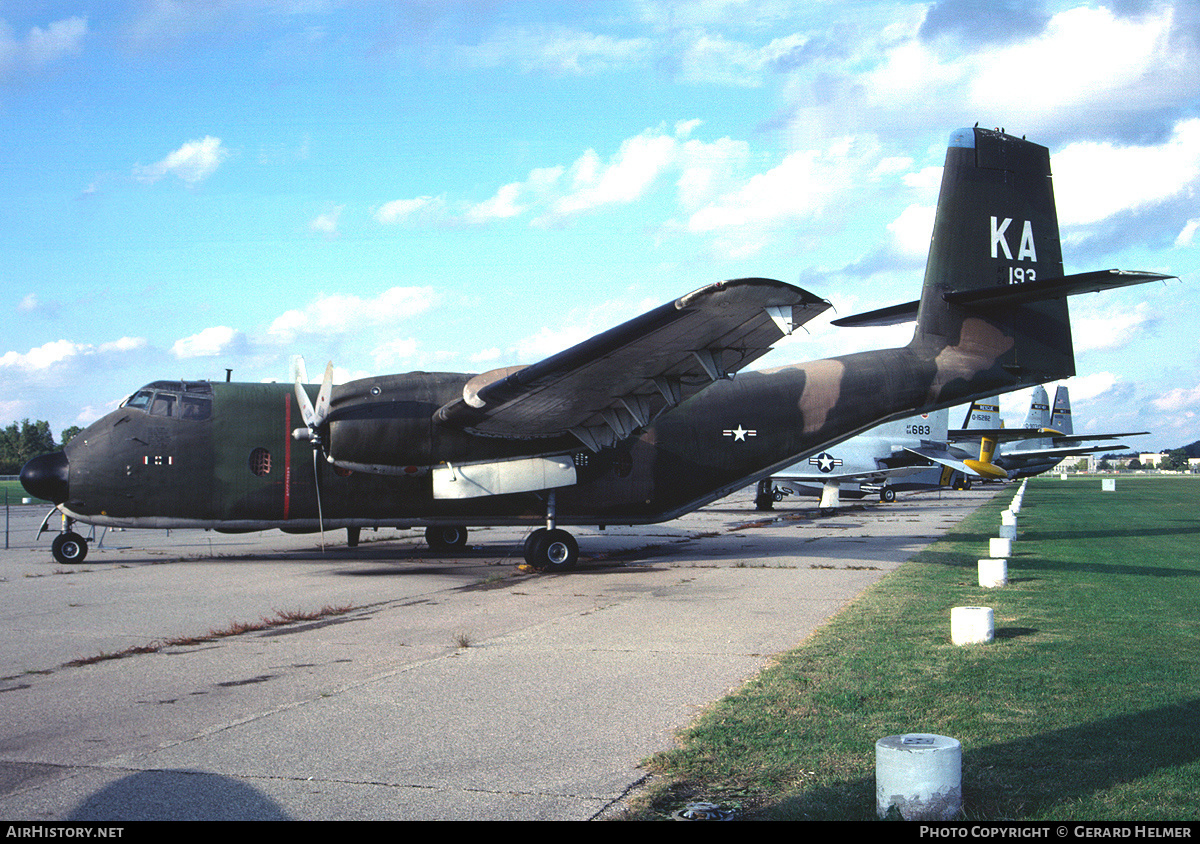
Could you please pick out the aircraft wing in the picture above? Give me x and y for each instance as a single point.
(944, 458)
(957, 435)
(1083, 438)
(1066, 451)
(604, 388)
(861, 475)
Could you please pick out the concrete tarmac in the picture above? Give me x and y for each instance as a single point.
(198, 675)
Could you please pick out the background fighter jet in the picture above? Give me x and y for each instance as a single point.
(638, 424)
(1041, 443)
(903, 455)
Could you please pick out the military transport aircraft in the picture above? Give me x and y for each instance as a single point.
(639, 424)
(907, 454)
(1041, 443)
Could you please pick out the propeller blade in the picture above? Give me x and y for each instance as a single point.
(297, 370)
(323, 397)
(306, 406)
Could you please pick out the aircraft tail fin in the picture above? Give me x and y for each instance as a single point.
(1039, 409)
(1060, 419)
(997, 226)
(983, 413)
(993, 309)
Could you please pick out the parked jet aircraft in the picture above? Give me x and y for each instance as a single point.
(1041, 443)
(906, 454)
(639, 424)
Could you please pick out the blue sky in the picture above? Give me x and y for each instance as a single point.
(193, 186)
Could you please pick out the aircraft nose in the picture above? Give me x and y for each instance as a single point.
(46, 477)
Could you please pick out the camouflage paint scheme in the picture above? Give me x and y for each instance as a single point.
(996, 232)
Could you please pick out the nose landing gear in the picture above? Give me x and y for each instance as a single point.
(68, 548)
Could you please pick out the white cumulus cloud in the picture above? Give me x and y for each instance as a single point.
(1181, 398)
(208, 343)
(406, 210)
(50, 355)
(40, 46)
(193, 162)
(1108, 326)
(1134, 176)
(339, 314)
(326, 224)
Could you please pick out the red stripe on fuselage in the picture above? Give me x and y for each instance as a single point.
(287, 456)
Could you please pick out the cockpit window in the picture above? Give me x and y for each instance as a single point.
(140, 399)
(163, 405)
(179, 399)
(195, 407)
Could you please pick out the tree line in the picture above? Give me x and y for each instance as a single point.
(1174, 460)
(21, 441)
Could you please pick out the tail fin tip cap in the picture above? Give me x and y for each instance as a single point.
(963, 138)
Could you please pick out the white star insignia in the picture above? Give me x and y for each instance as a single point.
(739, 433)
(825, 461)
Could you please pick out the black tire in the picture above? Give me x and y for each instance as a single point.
(352, 536)
(551, 550)
(887, 494)
(69, 548)
(764, 499)
(444, 537)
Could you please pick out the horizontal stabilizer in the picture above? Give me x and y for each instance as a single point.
(1008, 294)
(1050, 288)
(893, 315)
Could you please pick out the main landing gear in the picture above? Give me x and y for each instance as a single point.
(546, 549)
(445, 537)
(766, 495)
(551, 548)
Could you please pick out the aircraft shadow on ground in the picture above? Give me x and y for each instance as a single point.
(177, 796)
(1054, 770)
(845, 542)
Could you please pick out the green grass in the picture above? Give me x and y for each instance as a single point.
(15, 492)
(1087, 705)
